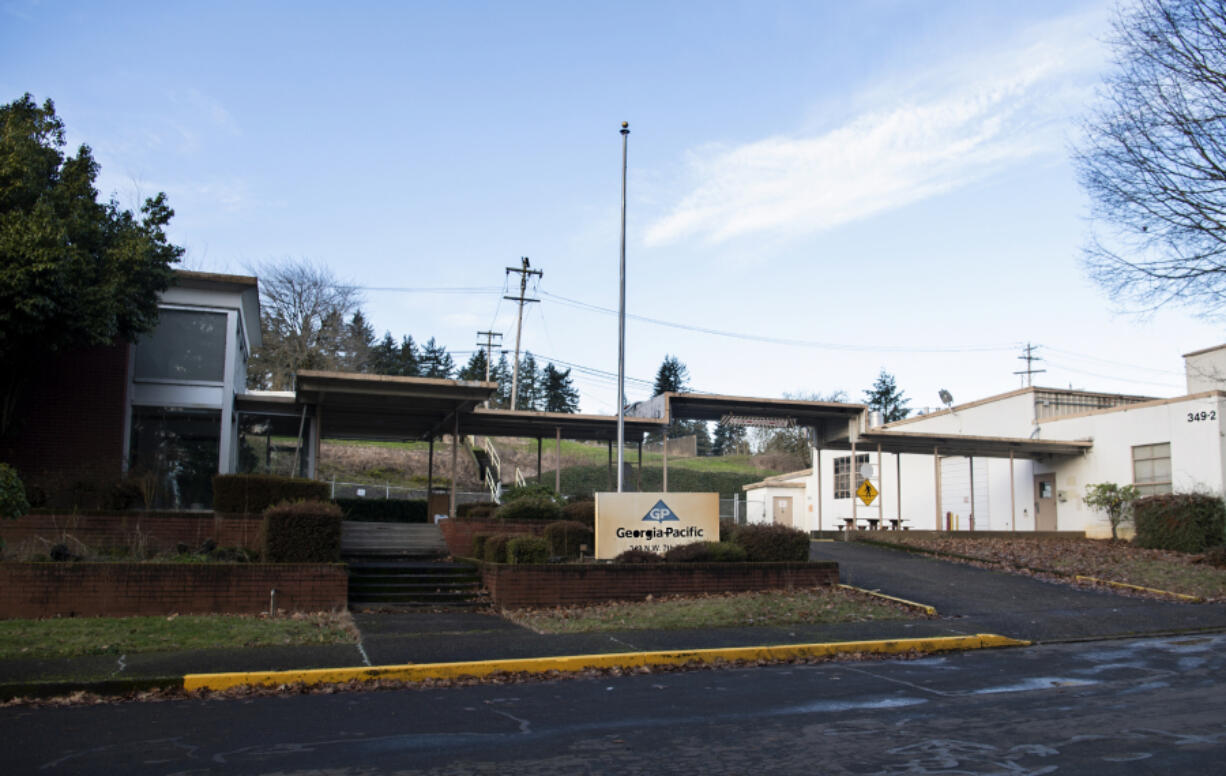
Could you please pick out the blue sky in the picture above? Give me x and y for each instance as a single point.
(880, 184)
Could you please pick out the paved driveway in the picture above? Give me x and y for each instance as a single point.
(975, 600)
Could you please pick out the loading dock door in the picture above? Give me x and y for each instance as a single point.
(783, 510)
(1045, 502)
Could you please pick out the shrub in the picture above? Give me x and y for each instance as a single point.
(530, 508)
(1216, 556)
(566, 536)
(530, 490)
(254, 493)
(476, 510)
(478, 550)
(581, 512)
(706, 552)
(302, 532)
(768, 542)
(726, 527)
(1186, 522)
(384, 510)
(639, 556)
(496, 548)
(1114, 501)
(13, 503)
(527, 549)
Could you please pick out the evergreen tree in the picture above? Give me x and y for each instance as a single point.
(529, 395)
(728, 440)
(560, 393)
(672, 376)
(886, 398)
(385, 356)
(408, 359)
(436, 361)
(501, 374)
(475, 368)
(359, 342)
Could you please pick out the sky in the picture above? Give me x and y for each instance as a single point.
(817, 191)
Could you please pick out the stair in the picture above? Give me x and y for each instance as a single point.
(407, 584)
(362, 540)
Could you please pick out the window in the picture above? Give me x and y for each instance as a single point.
(1151, 468)
(176, 451)
(186, 345)
(842, 475)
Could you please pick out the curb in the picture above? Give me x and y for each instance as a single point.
(1181, 596)
(53, 689)
(575, 663)
(925, 608)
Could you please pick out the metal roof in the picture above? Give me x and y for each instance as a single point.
(960, 444)
(828, 417)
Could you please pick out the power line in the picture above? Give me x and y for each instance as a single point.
(1029, 357)
(780, 340)
(431, 289)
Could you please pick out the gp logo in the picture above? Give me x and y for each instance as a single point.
(660, 513)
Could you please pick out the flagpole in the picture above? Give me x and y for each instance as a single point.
(621, 329)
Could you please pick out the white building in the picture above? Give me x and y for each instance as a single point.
(1159, 445)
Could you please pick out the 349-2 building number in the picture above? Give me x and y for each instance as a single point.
(1193, 417)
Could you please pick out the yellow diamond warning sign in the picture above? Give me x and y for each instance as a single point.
(866, 492)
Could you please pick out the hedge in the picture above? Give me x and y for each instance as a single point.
(565, 537)
(478, 550)
(529, 509)
(302, 532)
(527, 549)
(706, 552)
(768, 542)
(581, 512)
(495, 550)
(385, 510)
(253, 493)
(1186, 522)
(639, 556)
(476, 510)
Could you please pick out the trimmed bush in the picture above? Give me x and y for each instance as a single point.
(639, 556)
(581, 512)
(530, 490)
(496, 548)
(565, 537)
(13, 503)
(530, 508)
(302, 532)
(1185, 522)
(706, 552)
(478, 550)
(768, 542)
(253, 493)
(726, 527)
(385, 510)
(477, 510)
(527, 549)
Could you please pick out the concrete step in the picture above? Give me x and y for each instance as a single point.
(392, 539)
(412, 583)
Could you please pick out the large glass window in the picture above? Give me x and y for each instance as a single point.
(843, 475)
(1151, 468)
(176, 452)
(186, 345)
(269, 444)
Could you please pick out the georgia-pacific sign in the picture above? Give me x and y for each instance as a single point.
(654, 521)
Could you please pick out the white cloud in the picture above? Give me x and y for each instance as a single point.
(936, 133)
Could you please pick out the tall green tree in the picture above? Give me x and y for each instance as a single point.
(671, 377)
(530, 394)
(408, 358)
(359, 342)
(303, 308)
(74, 272)
(728, 440)
(886, 398)
(501, 374)
(436, 361)
(475, 368)
(384, 356)
(560, 392)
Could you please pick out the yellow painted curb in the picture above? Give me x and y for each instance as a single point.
(922, 607)
(1181, 596)
(573, 663)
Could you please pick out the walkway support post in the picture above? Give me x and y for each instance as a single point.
(851, 483)
(936, 475)
(455, 464)
(557, 457)
(880, 486)
(972, 463)
(665, 486)
(898, 485)
(1012, 497)
(538, 460)
(430, 473)
(816, 454)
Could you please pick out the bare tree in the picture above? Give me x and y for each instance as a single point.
(1154, 158)
(303, 308)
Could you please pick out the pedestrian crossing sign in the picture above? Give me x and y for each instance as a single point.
(867, 493)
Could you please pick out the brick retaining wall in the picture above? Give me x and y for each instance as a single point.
(459, 533)
(583, 583)
(159, 531)
(127, 589)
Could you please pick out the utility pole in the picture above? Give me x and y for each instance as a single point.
(524, 273)
(489, 352)
(1029, 357)
(621, 329)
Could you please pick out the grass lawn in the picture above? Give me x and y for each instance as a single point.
(74, 636)
(777, 607)
(1175, 572)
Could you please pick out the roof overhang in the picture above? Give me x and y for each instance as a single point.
(520, 423)
(827, 417)
(963, 445)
